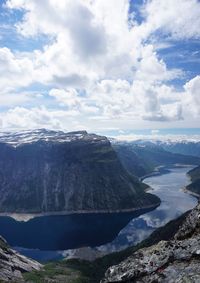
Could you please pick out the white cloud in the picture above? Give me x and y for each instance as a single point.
(100, 67)
(166, 113)
(66, 97)
(24, 118)
(178, 19)
(192, 89)
(150, 68)
(15, 72)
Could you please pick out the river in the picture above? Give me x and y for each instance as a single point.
(46, 238)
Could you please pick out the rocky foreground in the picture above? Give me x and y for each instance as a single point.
(174, 261)
(13, 265)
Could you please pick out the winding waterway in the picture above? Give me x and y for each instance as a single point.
(45, 238)
(174, 202)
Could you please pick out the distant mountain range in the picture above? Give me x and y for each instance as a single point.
(143, 157)
(186, 147)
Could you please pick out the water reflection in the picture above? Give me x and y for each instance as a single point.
(168, 188)
(65, 231)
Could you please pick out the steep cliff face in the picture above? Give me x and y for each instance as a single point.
(46, 171)
(177, 260)
(13, 265)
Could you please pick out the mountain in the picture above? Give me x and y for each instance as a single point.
(194, 173)
(141, 158)
(175, 260)
(49, 171)
(132, 161)
(183, 147)
(13, 265)
(194, 187)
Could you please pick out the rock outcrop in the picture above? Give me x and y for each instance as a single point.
(47, 171)
(13, 265)
(174, 261)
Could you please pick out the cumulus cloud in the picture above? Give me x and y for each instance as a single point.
(192, 89)
(36, 117)
(165, 114)
(15, 71)
(150, 68)
(99, 64)
(178, 19)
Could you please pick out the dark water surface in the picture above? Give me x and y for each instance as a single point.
(61, 232)
(43, 237)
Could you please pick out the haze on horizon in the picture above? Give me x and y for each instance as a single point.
(99, 65)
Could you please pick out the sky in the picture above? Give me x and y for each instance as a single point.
(103, 66)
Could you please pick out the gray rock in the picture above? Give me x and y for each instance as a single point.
(13, 265)
(174, 261)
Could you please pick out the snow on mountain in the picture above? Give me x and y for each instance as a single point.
(29, 136)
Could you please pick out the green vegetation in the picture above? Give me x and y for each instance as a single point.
(80, 271)
(58, 271)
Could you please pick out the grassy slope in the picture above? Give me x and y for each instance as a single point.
(77, 271)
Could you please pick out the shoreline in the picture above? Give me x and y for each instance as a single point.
(164, 169)
(28, 216)
(185, 190)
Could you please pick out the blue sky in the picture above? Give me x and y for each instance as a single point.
(103, 66)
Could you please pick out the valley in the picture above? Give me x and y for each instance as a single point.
(87, 197)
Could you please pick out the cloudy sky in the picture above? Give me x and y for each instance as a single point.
(99, 65)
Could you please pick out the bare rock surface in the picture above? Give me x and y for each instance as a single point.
(174, 261)
(13, 265)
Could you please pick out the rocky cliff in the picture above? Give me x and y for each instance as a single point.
(47, 171)
(176, 260)
(13, 265)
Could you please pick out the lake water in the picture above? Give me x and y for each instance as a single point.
(174, 202)
(45, 238)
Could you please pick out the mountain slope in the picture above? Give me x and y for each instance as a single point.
(141, 159)
(183, 147)
(13, 265)
(194, 187)
(47, 171)
(132, 161)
